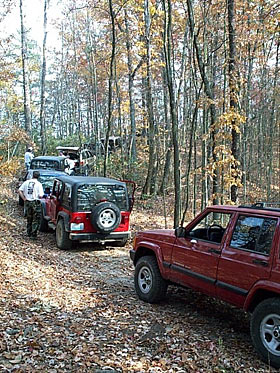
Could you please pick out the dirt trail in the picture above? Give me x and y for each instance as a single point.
(76, 311)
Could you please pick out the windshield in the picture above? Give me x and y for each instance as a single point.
(46, 181)
(89, 195)
(43, 164)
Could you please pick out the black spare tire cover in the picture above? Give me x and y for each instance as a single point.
(105, 217)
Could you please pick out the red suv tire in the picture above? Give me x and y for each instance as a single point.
(149, 284)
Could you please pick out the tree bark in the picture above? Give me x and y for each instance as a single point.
(149, 98)
(110, 92)
(173, 111)
(210, 94)
(233, 96)
(43, 81)
(25, 74)
(130, 92)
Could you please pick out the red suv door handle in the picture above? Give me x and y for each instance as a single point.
(260, 262)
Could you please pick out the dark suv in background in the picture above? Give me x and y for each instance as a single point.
(48, 162)
(228, 252)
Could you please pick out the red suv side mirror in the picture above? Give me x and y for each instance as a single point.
(180, 232)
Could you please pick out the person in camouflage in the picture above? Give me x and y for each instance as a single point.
(31, 191)
(33, 215)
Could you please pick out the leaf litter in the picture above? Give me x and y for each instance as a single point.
(76, 311)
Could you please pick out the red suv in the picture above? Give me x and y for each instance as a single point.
(88, 209)
(231, 253)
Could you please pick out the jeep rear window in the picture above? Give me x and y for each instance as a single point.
(89, 195)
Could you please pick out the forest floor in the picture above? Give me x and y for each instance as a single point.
(76, 311)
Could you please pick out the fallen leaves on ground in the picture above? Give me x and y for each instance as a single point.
(76, 311)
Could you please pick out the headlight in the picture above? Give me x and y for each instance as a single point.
(77, 226)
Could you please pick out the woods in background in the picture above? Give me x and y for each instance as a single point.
(191, 87)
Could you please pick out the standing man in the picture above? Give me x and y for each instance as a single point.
(30, 191)
(28, 156)
(70, 165)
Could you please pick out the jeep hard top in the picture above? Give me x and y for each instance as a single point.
(48, 162)
(88, 209)
(228, 252)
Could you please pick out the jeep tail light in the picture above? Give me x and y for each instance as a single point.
(77, 219)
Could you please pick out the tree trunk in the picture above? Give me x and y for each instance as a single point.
(131, 93)
(149, 98)
(272, 124)
(25, 74)
(110, 92)
(43, 79)
(173, 111)
(210, 94)
(233, 97)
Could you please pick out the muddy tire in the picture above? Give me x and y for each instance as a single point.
(62, 237)
(149, 284)
(43, 223)
(265, 331)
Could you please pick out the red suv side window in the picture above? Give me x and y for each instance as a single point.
(253, 234)
(211, 227)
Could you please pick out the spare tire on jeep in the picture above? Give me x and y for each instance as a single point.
(105, 217)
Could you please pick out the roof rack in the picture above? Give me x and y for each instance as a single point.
(266, 204)
(275, 206)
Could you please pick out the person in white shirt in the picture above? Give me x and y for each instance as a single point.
(28, 156)
(31, 191)
(70, 165)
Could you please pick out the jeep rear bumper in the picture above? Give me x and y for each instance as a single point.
(99, 237)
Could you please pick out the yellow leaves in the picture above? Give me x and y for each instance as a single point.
(18, 133)
(10, 168)
(226, 167)
(153, 10)
(14, 134)
(232, 119)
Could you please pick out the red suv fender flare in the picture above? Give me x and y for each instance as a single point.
(258, 293)
(152, 247)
